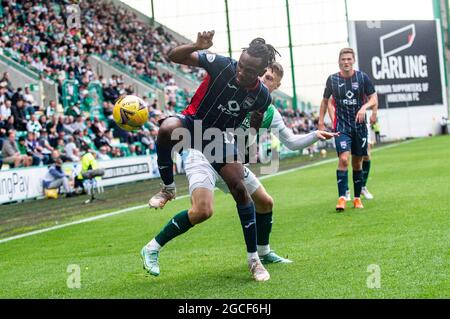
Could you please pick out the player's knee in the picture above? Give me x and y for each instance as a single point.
(201, 212)
(343, 162)
(166, 129)
(264, 204)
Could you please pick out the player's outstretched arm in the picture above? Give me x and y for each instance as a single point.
(187, 53)
(297, 141)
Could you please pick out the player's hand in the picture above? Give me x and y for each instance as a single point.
(373, 118)
(361, 115)
(204, 40)
(324, 135)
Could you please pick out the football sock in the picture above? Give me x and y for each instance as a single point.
(365, 172)
(165, 163)
(263, 228)
(248, 222)
(342, 182)
(263, 250)
(153, 245)
(357, 182)
(178, 225)
(250, 256)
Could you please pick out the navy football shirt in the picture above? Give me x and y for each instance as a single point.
(219, 102)
(349, 94)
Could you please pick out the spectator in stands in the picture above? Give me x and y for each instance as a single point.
(55, 178)
(116, 152)
(71, 150)
(61, 148)
(132, 150)
(10, 152)
(5, 110)
(18, 95)
(6, 126)
(103, 153)
(68, 121)
(102, 140)
(33, 125)
(44, 143)
(34, 149)
(30, 105)
(79, 124)
(50, 110)
(20, 117)
(5, 78)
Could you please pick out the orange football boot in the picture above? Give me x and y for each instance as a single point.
(341, 204)
(357, 203)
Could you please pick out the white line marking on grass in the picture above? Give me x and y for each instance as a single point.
(130, 209)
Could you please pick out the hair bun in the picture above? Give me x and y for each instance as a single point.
(258, 41)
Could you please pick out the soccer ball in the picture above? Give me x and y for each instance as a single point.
(130, 112)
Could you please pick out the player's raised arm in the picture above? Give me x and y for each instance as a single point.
(187, 53)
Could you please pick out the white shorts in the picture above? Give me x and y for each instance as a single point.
(201, 174)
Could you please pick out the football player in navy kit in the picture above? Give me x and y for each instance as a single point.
(353, 93)
(229, 92)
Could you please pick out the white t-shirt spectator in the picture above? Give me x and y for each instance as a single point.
(72, 152)
(28, 99)
(5, 112)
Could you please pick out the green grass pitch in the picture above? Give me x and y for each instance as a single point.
(404, 231)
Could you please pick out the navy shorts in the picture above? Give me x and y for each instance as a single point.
(219, 150)
(353, 142)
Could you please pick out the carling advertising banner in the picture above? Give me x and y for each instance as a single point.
(402, 59)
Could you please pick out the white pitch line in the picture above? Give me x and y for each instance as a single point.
(126, 210)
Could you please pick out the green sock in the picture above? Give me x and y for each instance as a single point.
(366, 170)
(263, 228)
(178, 225)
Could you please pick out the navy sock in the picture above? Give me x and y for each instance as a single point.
(248, 222)
(366, 170)
(342, 182)
(263, 228)
(165, 164)
(357, 182)
(178, 225)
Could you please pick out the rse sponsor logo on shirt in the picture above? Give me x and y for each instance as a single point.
(232, 109)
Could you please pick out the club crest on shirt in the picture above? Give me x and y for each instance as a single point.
(248, 102)
(210, 57)
(355, 85)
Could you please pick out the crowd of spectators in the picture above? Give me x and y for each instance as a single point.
(35, 34)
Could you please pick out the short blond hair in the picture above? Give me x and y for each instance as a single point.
(347, 50)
